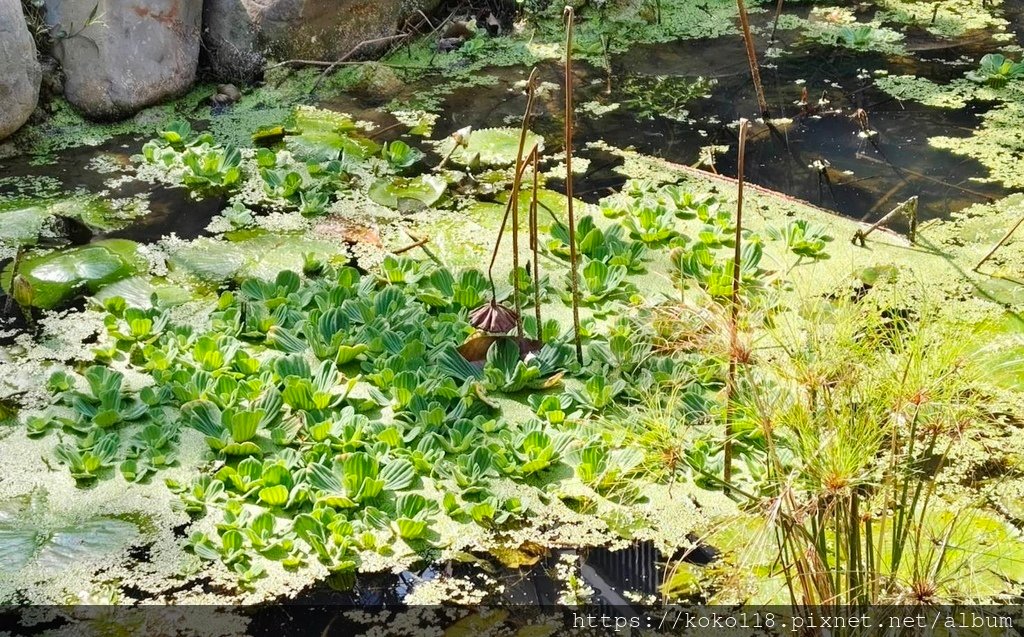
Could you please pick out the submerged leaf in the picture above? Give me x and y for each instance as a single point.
(408, 194)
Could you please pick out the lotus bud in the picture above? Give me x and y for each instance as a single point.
(22, 291)
(494, 318)
(461, 136)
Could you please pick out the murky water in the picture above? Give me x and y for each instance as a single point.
(863, 177)
(612, 576)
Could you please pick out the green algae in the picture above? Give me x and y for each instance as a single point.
(910, 87)
(997, 143)
(839, 27)
(946, 18)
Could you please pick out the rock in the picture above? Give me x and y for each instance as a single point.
(229, 40)
(20, 75)
(135, 54)
(230, 92)
(239, 34)
(377, 81)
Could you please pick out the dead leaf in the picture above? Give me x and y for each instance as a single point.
(349, 232)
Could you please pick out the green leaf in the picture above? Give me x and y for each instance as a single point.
(408, 194)
(274, 496)
(398, 474)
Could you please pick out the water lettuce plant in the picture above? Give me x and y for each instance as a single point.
(996, 70)
(802, 238)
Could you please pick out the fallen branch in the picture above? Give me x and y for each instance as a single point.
(907, 208)
(325, 63)
(353, 51)
(412, 246)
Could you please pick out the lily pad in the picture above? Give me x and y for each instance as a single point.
(20, 224)
(323, 135)
(138, 291)
(59, 276)
(408, 194)
(495, 147)
(263, 256)
(209, 259)
(31, 535)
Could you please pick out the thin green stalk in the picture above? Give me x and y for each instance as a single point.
(900, 524)
(735, 307)
(535, 243)
(568, 16)
(516, 183)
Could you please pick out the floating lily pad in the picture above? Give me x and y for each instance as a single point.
(495, 147)
(322, 135)
(263, 255)
(59, 276)
(138, 291)
(20, 224)
(408, 194)
(209, 259)
(31, 534)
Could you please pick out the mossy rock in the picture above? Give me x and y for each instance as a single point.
(57, 277)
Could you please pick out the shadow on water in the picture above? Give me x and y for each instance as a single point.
(613, 576)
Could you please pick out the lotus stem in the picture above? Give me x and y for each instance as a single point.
(535, 244)
(775, 24)
(501, 232)
(516, 183)
(755, 72)
(512, 208)
(730, 385)
(568, 16)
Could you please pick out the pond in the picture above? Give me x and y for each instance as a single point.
(343, 341)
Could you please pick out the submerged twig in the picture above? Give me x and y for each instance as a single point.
(755, 72)
(730, 386)
(568, 16)
(1006, 237)
(908, 208)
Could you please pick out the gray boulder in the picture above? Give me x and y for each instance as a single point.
(134, 54)
(20, 73)
(238, 34)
